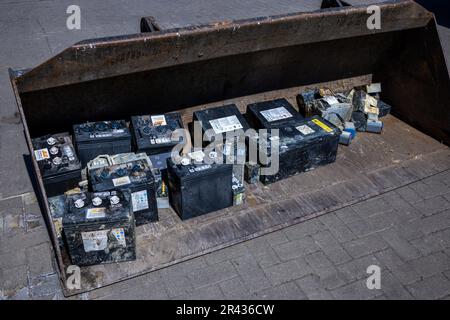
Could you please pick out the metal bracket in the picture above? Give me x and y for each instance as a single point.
(149, 24)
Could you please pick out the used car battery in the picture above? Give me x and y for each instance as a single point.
(103, 137)
(58, 163)
(220, 120)
(158, 164)
(271, 114)
(99, 227)
(302, 146)
(198, 185)
(136, 176)
(153, 134)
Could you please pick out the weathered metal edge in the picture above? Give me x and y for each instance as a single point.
(42, 197)
(109, 57)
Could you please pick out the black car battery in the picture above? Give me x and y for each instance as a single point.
(225, 120)
(198, 185)
(154, 134)
(58, 163)
(301, 147)
(99, 227)
(271, 114)
(136, 176)
(103, 137)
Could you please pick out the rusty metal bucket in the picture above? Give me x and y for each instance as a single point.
(166, 70)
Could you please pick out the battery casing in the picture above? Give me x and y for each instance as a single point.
(100, 233)
(135, 176)
(153, 134)
(271, 114)
(303, 146)
(102, 137)
(220, 120)
(199, 188)
(58, 163)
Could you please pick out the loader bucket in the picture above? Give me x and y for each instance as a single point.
(166, 70)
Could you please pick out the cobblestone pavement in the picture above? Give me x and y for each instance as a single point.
(406, 232)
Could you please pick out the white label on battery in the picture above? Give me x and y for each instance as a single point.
(331, 100)
(41, 154)
(305, 129)
(159, 120)
(120, 236)
(199, 154)
(276, 114)
(225, 124)
(117, 182)
(95, 213)
(95, 240)
(139, 200)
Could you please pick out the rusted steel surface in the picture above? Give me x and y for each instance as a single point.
(109, 57)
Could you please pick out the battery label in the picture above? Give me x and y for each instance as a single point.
(159, 120)
(117, 182)
(41, 154)
(95, 240)
(225, 124)
(322, 125)
(305, 129)
(276, 114)
(95, 213)
(120, 236)
(139, 200)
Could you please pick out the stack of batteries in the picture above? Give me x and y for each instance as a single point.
(358, 110)
(115, 175)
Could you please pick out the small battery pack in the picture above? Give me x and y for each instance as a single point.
(99, 227)
(350, 128)
(103, 137)
(58, 163)
(154, 134)
(135, 176)
(373, 124)
(271, 114)
(345, 138)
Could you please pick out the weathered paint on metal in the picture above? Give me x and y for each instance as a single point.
(114, 56)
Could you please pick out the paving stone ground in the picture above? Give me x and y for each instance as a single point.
(405, 232)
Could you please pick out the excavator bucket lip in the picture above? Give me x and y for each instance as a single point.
(114, 56)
